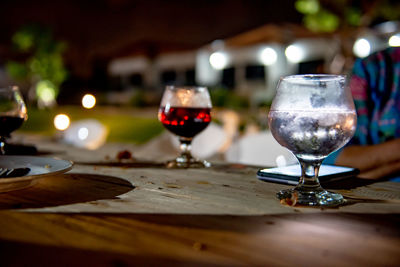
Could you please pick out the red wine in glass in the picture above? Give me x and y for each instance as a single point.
(185, 112)
(185, 121)
(12, 113)
(8, 124)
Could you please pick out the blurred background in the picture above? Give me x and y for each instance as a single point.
(124, 52)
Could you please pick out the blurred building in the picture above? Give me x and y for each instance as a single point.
(251, 63)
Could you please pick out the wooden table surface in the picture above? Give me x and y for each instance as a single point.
(136, 212)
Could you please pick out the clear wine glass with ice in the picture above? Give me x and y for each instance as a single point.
(185, 111)
(12, 113)
(312, 116)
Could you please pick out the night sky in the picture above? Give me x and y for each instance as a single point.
(97, 31)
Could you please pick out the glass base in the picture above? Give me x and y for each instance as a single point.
(182, 162)
(310, 197)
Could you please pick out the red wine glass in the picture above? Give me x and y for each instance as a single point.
(185, 111)
(12, 113)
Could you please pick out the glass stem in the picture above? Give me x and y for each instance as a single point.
(185, 147)
(2, 146)
(309, 174)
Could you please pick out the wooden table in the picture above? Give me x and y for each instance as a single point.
(135, 212)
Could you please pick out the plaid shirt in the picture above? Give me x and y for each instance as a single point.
(375, 85)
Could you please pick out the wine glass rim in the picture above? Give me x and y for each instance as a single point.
(311, 77)
(186, 87)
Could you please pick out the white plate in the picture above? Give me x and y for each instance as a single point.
(40, 167)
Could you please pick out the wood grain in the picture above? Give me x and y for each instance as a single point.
(291, 239)
(136, 212)
(223, 189)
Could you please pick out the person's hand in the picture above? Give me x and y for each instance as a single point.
(374, 161)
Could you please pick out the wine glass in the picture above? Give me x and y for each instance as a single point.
(185, 111)
(12, 113)
(312, 116)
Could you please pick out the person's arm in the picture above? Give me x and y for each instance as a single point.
(374, 161)
(381, 171)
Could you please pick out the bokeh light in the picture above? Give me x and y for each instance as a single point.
(87, 133)
(46, 92)
(294, 53)
(88, 101)
(83, 133)
(394, 40)
(61, 122)
(218, 60)
(362, 47)
(268, 56)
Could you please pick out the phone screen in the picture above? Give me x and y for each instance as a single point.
(290, 174)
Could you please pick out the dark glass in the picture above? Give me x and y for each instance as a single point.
(8, 124)
(228, 78)
(168, 77)
(12, 113)
(255, 72)
(190, 77)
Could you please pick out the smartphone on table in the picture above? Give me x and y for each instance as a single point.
(290, 174)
